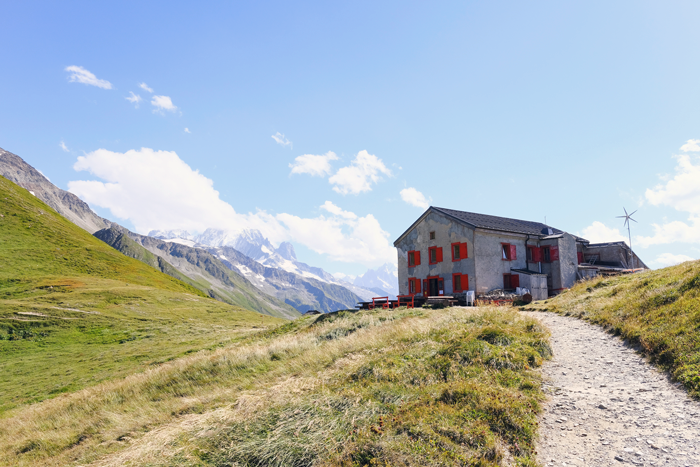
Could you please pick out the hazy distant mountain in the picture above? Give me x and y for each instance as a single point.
(15, 169)
(252, 244)
(303, 293)
(385, 277)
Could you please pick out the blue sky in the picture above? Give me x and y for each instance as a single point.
(569, 110)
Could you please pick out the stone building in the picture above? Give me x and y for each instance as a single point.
(450, 252)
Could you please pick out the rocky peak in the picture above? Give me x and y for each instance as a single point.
(286, 251)
(15, 169)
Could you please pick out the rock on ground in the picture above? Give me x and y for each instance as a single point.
(608, 406)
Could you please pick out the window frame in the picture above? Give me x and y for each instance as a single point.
(462, 286)
(415, 254)
(461, 248)
(431, 235)
(546, 254)
(438, 255)
(507, 250)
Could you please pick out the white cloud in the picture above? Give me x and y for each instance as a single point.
(692, 145)
(668, 259)
(145, 87)
(281, 140)
(153, 189)
(672, 232)
(134, 99)
(414, 198)
(63, 146)
(598, 232)
(359, 176)
(163, 103)
(316, 166)
(156, 190)
(79, 74)
(682, 193)
(351, 240)
(333, 209)
(187, 130)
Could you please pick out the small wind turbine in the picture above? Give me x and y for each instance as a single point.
(628, 218)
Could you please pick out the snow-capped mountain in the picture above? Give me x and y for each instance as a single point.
(385, 277)
(252, 244)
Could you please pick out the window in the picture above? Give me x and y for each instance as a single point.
(460, 282)
(534, 254)
(550, 253)
(432, 235)
(434, 254)
(413, 258)
(413, 286)
(511, 281)
(508, 252)
(546, 257)
(459, 251)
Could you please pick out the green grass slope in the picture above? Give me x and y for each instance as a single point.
(658, 310)
(36, 243)
(74, 311)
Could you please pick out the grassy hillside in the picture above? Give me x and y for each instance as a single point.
(659, 310)
(382, 387)
(36, 244)
(198, 268)
(74, 311)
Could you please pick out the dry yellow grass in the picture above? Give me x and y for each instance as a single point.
(168, 414)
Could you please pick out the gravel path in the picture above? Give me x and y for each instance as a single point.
(608, 406)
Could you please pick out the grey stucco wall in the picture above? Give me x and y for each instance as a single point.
(568, 262)
(490, 265)
(446, 233)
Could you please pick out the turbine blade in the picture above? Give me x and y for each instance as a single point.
(625, 211)
(631, 214)
(633, 220)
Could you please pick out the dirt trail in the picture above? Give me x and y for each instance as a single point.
(608, 406)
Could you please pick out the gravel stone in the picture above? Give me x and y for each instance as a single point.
(607, 405)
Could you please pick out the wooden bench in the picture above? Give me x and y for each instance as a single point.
(409, 300)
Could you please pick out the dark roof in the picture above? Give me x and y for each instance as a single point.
(504, 224)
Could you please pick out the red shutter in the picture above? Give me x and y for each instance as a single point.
(579, 255)
(463, 251)
(512, 253)
(465, 281)
(456, 289)
(417, 282)
(416, 257)
(514, 281)
(426, 290)
(554, 253)
(438, 255)
(536, 255)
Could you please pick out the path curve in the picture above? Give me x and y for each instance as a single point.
(607, 406)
